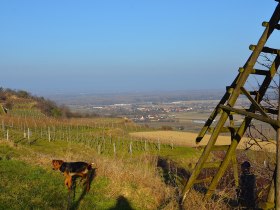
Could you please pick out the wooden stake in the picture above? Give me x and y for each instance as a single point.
(99, 149)
(28, 134)
(145, 145)
(130, 148)
(49, 133)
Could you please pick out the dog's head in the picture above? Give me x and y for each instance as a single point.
(57, 164)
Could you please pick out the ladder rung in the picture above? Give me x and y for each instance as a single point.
(259, 72)
(271, 111)
(212, 164)
(208, 179)
(266, 49)
(252, 93)
(266, 24)
(270, 50)
(229, 89)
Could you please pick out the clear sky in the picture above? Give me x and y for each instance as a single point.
(127, 45)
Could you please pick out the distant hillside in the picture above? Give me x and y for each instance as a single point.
(14, 100)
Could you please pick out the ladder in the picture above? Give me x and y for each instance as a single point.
(227, 107)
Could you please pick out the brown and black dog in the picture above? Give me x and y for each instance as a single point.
(74, 169)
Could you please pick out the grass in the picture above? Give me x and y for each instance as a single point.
(27, 181)
(24, 186)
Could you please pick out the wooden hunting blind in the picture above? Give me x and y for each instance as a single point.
(224, 113)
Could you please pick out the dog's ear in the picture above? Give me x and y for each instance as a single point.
(57, 161)
(60, 161)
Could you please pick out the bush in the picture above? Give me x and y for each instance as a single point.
(23, 94)
(166, 128)
(9, 105)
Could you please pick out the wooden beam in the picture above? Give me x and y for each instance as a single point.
(265, 49)
(255, 104)
(198, 181)
(259, 72)
(271, 111)
(215, 112)
(251, 115)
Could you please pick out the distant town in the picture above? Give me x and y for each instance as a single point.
(149, 111)
(182, 110)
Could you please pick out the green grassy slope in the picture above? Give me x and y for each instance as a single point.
(122, 182)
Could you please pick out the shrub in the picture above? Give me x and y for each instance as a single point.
(166, 128)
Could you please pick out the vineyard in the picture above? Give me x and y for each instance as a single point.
(106, 136)
(30, 140)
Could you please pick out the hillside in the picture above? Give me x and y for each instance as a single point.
(130, 173)
(20, 102)
(133, 170)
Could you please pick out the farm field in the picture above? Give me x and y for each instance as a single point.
(188, 139)
(190, 121)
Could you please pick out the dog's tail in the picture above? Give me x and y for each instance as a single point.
(90, 166)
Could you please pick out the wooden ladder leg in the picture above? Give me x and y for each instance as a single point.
(235, 170)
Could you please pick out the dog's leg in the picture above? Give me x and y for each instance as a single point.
(68, 180)
(80, 175)
(85, 177)
(69, 183)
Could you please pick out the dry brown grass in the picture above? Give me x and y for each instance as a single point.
(188, 139)
(194, 200)
(137, 180)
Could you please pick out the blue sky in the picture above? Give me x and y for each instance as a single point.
(127, 45)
